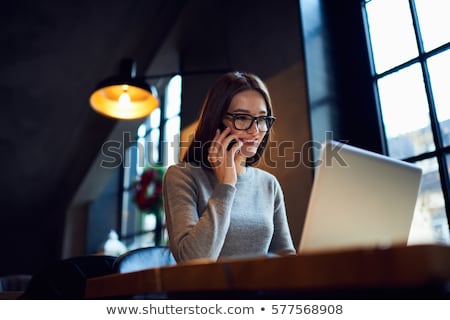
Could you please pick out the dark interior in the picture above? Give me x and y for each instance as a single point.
(312, 55)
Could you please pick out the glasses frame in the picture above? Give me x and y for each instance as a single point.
(268, 119)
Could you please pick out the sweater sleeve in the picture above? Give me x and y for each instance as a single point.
(194, 234)
(281, 241)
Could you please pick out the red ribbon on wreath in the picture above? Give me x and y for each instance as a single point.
(148, 190)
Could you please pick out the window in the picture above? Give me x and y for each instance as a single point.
(409, 42)
(157, 143)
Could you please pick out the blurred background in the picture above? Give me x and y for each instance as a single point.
(370, 73)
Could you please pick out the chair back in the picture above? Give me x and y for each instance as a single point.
(144, 258)
(14, 282)
(66, 279)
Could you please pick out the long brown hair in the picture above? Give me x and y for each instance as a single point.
(214, 108)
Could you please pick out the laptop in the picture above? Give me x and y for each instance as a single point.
(359, 199)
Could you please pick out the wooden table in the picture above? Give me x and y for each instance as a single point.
(422, 270)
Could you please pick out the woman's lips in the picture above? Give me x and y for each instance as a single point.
(249, 142)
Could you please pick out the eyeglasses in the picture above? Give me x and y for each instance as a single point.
(245, 121)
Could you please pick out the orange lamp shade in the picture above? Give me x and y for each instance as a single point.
(124, 96)
(123, 101)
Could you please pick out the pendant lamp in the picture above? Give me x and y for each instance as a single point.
(124, 96)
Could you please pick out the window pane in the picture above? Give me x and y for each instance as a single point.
(155, 118)
(173, 97)
(139, 241)
(172, 141)
(142, 130)
(129, 166)
(439, 67)
(405, 113)
(391, 32)
(139, 155)
(153, 147)
(434, 22)
(130, 216)
(445, 129)
(430, 222)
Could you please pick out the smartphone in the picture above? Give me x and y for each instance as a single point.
(223, 127)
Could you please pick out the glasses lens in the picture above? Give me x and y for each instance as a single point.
(263, 124)
(242, 122)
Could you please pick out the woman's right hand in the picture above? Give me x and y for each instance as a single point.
(222, 160)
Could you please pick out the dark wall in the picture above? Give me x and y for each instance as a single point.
(360, 118)
(53, 54)
(340, 89)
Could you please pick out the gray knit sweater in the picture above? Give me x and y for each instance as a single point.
(206, 219)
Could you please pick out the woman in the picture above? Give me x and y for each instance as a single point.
(217, 204)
